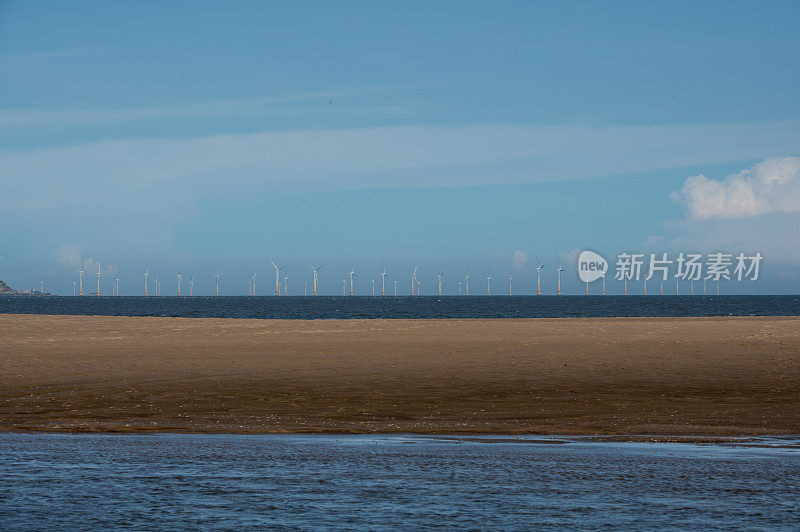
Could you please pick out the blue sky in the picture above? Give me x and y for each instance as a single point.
(447, 134)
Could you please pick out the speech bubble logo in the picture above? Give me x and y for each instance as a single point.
(591, 266)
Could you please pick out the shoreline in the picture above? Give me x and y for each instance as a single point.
(698, 377)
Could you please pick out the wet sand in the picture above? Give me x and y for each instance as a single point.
(670, 376)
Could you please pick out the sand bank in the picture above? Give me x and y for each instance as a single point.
(679, 376)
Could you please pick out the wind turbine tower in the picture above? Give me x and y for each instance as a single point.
(559, 270)
(466, 280)
(73, 287)
(352, 275)
(439, 281)
(277, 277)
(191, 286)
(414, 281)
(539, 275)
(459, 288)
(383, 282)
(344, 286)
(285, 285)
(80, 273)
(217, 275)
(395, 287)
(305, 288)
(179, 282)
(146, 279)
(315, 272)
(489, 283)
(510, 280)
(98, 278)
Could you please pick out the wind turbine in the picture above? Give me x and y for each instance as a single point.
(344, 286)
(419, 283)
(285, 285)
(191, 286)
(439, 280)
(305, 288)
(158, 286)
(41, 288)
(661, 290)
(489, 283)
(691, 287)
(253, 279)
(80, 272)
(277, 277)
(217, 275)
(414, 281)
(645, 286)
(677, 287)
(73, 287)
(352, 274)
(373, 287)
(604, 283)
(179, 281)
(459, 288)
(146, 278)
(559, 270)
(116, 288)
(539, 275)
(383, 282)
(510, 280)
(98, 277)
(395, 287)
(315, 271)
(466, 278)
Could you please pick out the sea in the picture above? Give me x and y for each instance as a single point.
(406, 307)
(346, 482)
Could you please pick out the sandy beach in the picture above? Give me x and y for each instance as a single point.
(671, 376)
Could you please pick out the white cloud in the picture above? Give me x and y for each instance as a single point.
(519, 260)
(770, 186)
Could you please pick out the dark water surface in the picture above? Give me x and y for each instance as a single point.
(381, 482)
(298, 307)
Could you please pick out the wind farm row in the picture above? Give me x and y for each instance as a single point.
(382, 284)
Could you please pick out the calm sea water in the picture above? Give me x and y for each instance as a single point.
(378, 482)
(298, 307)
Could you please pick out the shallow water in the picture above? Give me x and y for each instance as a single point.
(378, 482)
(298, 307)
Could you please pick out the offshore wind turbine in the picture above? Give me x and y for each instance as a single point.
(604, 283)
(466, 279)
(510, 280)
(285, 285)
(373, 287)
(414, 281)
(277, 277)
(439, 280)
(158, 286)
(489, 283)
(41, 287)
(661, 290)
(80, 274)
(459, 288)
(191, 286)
(559, 270)
(217, 275)
(395, 287)
(352, 274)
(383, 282)
(539, 275)
(253, 280)
(419, 283)
(73, 287)
(344, 286)
(146, 279)
(98, 277)
(179, 281)
(305, 288)
(315, 271)
(645, 286)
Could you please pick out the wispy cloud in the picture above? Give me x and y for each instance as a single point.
(223, 107)
(89, 175)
